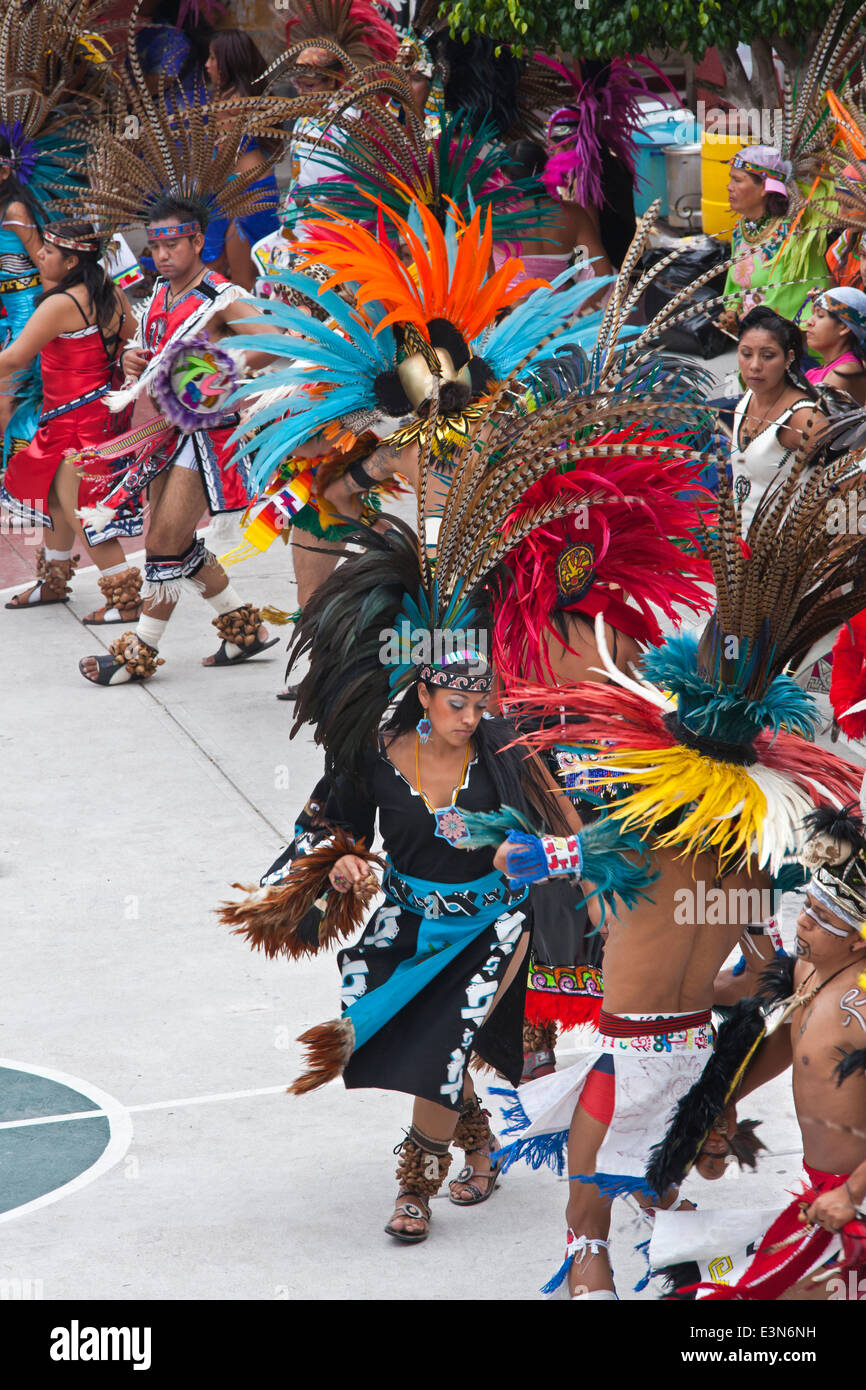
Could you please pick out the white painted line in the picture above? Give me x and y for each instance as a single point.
(127, 1109)
(120, 1135)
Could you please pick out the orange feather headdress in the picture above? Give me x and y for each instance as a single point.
(450, 278)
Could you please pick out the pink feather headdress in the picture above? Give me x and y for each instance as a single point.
(605, 114)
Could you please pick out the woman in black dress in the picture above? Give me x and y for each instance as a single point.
(439, 972)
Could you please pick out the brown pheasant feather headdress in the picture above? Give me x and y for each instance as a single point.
(140, 151)
(52, 68)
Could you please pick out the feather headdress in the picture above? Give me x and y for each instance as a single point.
(356, 26)
(604, 113)
(47, 82)
(810, 127)
(140, 151)
(716, 728)
(372, 154)
(631, 557)
(808, 123)
(359, 361)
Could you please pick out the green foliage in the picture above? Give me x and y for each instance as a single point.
(600, 29)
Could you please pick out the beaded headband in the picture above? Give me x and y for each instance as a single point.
(452, 680)
(89, 243)
(171, 232)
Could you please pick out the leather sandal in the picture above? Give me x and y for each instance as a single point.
(468, 1178)
(129, 660)
(52, 583)
(122, 594)
(239, 630)
(416, 1210)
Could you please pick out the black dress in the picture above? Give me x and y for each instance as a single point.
(434, 892)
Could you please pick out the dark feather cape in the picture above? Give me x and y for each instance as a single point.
(776, 983)
(736, 1042)
(346, 692)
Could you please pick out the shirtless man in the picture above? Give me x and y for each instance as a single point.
(827, 1023)
(657, 969)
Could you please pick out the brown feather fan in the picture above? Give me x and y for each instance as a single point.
(790, 583)
(302, 915)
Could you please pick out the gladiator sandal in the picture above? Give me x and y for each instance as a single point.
(239, 631)
(130, 660)
(423, 1167)
(52, 582)
(474, 1135)
(539, 1059)
(122, 594)
(579, 1251)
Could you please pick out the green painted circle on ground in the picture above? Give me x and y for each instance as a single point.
(38, 1159)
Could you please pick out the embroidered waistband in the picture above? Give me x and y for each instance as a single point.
(665, 1033)
(482, 897)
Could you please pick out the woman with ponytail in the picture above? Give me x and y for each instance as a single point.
(77, 328)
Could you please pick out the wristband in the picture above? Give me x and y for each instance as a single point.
(563, 856)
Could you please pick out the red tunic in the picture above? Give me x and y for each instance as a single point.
(72, 365)
(225, 479)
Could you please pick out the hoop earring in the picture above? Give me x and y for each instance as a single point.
(424, 728)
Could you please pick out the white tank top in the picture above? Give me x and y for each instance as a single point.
(758, 465)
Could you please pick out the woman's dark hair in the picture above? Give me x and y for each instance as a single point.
(184, 209)
(88, 272)
(786, 334)
(526, 159)
(12, 190)
(478, 80)
(238, 60)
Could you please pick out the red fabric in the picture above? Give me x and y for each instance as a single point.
(598, 1095)
(70, 367)
(771, 1271)
(161, 324)
(848, 681)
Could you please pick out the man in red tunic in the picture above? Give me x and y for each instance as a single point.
(199, 472)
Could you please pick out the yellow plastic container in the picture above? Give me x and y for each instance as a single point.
(716, 153)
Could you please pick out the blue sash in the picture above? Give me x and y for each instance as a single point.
(453, 916)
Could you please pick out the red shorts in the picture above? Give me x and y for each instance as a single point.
(599, 1091)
